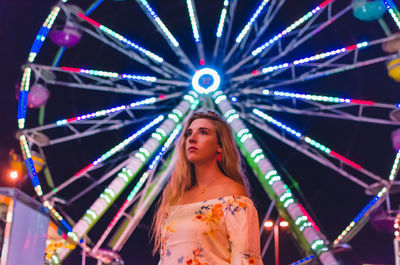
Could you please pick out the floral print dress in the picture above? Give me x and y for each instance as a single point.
(213, 232)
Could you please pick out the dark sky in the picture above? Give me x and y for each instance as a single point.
(334, 200)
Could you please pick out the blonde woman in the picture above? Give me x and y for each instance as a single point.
(205, 215)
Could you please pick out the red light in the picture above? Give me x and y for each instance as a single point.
(89, 20)
(352, 47)
(347, 161)
(362, 102)
(255, 72)
(70, 69)
(162, 97)
(202, 62)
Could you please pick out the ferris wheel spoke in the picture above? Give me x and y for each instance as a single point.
(172, 42)
(296, 42)
(318, 146)
(133, 166)
(339, 108)
(116, 149)
(147, 178)
(272, 183)
(244, 33)
(220, 27)
(361, 219)
(261, 50)
(194, 21)
(126, 46)
(306, 151)
(333, 56)
(269, 17)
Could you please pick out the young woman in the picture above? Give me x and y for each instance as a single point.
(205, 216)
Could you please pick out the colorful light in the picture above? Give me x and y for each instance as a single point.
(316, 57)
(193, 21)
(159, 23)
(246, 28)
(392, 11)
(395, 167)
(290, 28)
(304, 260)
(222, 19)
(30, 165)
(121, 38)
(360, 215)
(127, 141)
(277, 123)
(23, 97)
(321, 98)
(110, 74)
(41, 36)
(101, 113)
(306, 139)
(206, 71)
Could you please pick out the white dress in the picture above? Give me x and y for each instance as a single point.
(214, 232)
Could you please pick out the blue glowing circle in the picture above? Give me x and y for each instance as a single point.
(204, 72)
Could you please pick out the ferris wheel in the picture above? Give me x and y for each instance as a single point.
(254, 66)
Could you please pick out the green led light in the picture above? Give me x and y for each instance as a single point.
(271, 173)
(174, 117)
(219, 99)
(110, 192)
(140, 156)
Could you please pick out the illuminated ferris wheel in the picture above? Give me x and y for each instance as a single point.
(249, 75)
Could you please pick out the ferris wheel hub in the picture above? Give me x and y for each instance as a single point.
(206, 80)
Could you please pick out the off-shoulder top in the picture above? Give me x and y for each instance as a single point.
(214, 232)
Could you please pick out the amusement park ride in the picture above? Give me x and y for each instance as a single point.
(253, 70)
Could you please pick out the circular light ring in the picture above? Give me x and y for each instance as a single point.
(206, 71)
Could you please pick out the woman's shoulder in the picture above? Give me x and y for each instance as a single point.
(234, 188)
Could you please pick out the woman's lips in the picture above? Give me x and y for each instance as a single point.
(191, 149)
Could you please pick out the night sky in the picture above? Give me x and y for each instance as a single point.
(332, 200)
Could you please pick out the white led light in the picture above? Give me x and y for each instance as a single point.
(206, 71)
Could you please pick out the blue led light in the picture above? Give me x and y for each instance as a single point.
(244, 31)
(233, 99)
(206, 71)
(277, 123)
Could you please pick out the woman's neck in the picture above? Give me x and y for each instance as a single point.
(208, 174)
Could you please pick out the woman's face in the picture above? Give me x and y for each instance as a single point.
(201, 144)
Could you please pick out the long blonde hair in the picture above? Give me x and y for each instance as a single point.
(183, 177)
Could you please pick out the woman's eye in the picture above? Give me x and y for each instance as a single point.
(203, 132)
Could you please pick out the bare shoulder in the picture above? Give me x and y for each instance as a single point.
(237, 189)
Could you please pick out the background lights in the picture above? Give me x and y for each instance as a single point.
(206, 71)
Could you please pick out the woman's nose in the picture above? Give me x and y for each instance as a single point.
(192, 138)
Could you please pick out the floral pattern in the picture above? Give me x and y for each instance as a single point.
(218, 232)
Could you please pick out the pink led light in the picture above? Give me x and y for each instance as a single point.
(309, 218)
(116, 217)
(362, 102)
(89, 20)
(322, 5)
(352, 47)
(71, 119)
(202, 62)
(71, 69)
(347, 161)
(255, 72)
(83, 170)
